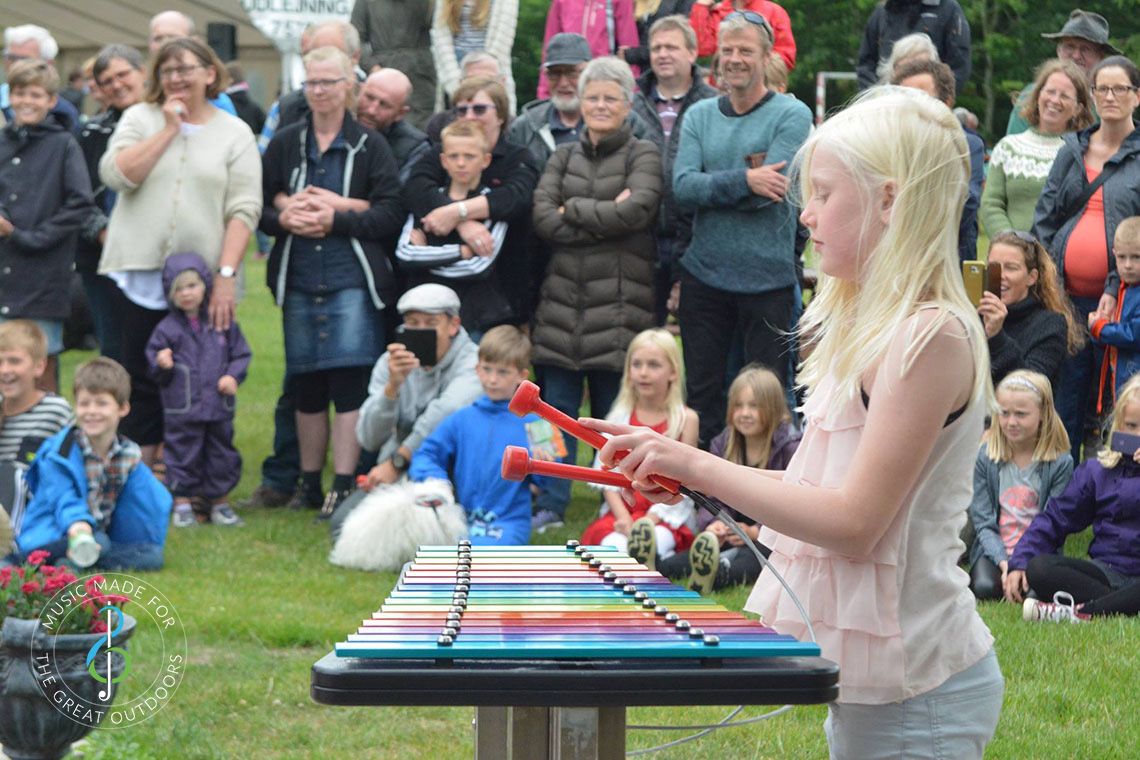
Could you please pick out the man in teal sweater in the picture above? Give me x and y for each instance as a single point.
(731, 169)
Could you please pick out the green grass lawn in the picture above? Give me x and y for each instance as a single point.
(261, 604)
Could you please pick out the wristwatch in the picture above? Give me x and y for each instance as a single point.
(399, 461)
(462, 210)
(226, 272)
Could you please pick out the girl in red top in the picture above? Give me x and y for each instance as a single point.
(651, 395)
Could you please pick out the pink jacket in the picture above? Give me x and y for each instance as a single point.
(588, 18)
(705, 21)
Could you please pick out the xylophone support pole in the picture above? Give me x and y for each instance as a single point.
(565, 733)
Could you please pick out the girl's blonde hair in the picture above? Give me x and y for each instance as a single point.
(1052, 440)
(1129, 394)
(771, 405)
(1047, 290)
(626, 399)
(905, 137)
(478, 16)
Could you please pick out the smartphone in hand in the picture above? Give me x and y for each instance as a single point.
(420, 341)
(1125, 443)
(974, 277)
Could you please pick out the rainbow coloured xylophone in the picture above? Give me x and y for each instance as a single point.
(550, 602)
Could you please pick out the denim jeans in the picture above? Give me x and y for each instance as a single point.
(1079, 375)
(562, 389)
(954, 721)
(113, 555)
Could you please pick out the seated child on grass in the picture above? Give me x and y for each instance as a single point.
(467, 447)
(30, 416)
(88, 483)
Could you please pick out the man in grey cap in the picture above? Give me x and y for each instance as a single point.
(406, 397)
(543, 125)
(1084, 41)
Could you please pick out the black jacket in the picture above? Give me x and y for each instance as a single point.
(673, 223)
(1056, 215)
(46, 194)
(512, 176)
(941, 20)
(370, 174)
(248, 110)
(408, 145)
(1032, 337)
(93, 139)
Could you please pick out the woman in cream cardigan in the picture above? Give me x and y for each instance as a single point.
(460, 27)
(188, 178)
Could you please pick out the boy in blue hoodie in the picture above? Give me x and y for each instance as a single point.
(466, 448)
(90, 487)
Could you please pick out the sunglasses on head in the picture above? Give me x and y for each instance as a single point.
(753, 17)
(476, 108)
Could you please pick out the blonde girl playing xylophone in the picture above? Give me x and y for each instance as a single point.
(651, 394)
(864, 523)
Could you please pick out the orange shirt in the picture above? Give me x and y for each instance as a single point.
(1086, 251)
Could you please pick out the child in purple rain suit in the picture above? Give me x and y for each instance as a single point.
(197, 369)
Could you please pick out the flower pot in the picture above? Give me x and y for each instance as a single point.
(31, 725)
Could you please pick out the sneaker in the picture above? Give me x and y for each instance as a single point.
(266, 496)
(1060, 610)
(332, 500)
(643, 542)
(544, 520)
(183, 516)
(704, 558)
(223, 514)
(305, 499)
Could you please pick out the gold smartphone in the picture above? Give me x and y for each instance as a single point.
(974, 277)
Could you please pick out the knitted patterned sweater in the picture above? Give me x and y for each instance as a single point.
(1019, 166)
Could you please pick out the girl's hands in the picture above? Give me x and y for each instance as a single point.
(649, 453)
(1016, 585)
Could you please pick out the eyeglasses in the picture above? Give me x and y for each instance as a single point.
(170, 72)
(753, 17)
(476, 108)
(1064, 97)
(1118, 90)
(555, 73)
(119, 78)
(315, 85)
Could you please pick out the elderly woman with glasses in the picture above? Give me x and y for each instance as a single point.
(188, 178)
(332, 199)
(595, 207)
(1091, 188)
(1058, 102)
(510, 179)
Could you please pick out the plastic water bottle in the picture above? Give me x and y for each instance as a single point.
(83, 550)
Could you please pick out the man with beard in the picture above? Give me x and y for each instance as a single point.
(738, 272)
(941, 20)
(382, 105)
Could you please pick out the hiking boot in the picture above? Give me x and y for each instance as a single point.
(332, 500)
(303, 498)
(265, 496)
(704, 558)
(1060, 610)
(643, 542)
(544, 520)
(223, 514)
(183, 516)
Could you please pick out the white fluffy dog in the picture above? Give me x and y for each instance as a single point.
(387, 527)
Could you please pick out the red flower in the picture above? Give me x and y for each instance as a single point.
(54, 583)
(47, 570)
(93, 583)
(5, 576)
(98, 625)
(38, 557)
(30, 587)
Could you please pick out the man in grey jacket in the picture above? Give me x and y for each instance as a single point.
(406, 400)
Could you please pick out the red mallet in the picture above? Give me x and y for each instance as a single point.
(517, 464)
(526, 400)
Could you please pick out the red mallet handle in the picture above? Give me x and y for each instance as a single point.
(526, 400)
(517, 464)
